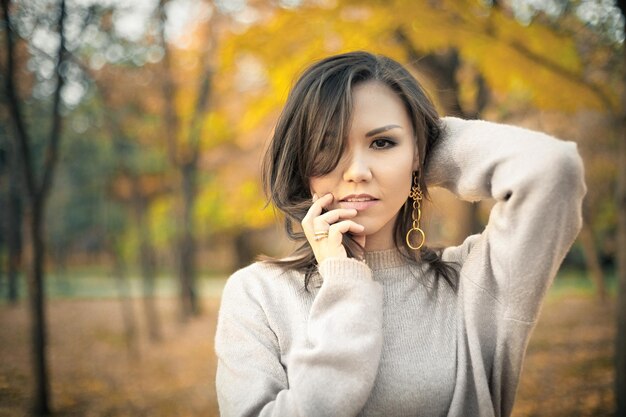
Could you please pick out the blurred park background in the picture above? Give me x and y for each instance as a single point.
(130, 141)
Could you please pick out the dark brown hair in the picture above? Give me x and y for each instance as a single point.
(317, 118)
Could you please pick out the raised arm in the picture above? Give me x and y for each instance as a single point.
(537, 182)
(333, 365)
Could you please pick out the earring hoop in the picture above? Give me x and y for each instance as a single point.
(416, 215)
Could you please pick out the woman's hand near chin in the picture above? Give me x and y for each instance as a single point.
(325, 229)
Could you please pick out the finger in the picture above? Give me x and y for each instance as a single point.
(317, 207)
(337, 230)
(325, 199)
(334, 216)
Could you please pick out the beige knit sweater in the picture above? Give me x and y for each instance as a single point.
(384, 338)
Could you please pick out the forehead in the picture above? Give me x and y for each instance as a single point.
(375, 104)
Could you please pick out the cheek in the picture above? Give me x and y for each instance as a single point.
(399, 176)
(403, 187)
(319, 186)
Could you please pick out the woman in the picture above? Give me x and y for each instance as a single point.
(364, 319)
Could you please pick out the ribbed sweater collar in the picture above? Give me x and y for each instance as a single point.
(384, 259)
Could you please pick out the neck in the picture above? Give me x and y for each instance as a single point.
(381, 240)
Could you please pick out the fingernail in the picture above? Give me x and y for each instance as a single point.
(314, 197)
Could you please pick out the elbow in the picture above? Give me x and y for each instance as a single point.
(568, 182)
(570, 172)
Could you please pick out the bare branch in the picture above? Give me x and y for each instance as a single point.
(202, 105)
(15, 109)
(565, 73)
(52, 150)
(170, 116)
(553, 66)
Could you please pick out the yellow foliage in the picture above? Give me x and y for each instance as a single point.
(533, 63)
(229, 203)
(215, 131)
(162, 229)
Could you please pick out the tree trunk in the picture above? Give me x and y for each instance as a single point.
(148, 278)
(37, 306)
(37, 192)
(189, 298)
(147, 261)
(184, 158)
(620, 348)
(591, 260)
(3, 232)
(14, 230)
(126, 304)
(243, 249)
(620, 340)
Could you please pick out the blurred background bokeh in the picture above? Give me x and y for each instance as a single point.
(130, 140)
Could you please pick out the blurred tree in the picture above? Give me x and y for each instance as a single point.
(11, 200)
(179, 113)
(140, 192)
(43, 85)
(620, 345)
(14, 214)
(37, 187)
(76, 208)
(3, 200)
(138, 177)
(11, 205)
(184, 121)
(120, 68)
(116, 223)
(183, 156)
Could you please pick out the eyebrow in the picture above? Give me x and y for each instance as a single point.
(381, 129)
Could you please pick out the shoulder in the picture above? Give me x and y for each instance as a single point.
(260, 280)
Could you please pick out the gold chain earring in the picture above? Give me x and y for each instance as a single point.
(416, 215)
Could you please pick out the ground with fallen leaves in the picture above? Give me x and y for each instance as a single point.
(568, 370)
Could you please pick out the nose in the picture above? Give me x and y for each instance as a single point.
(357, 168)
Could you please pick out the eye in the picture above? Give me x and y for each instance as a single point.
(383, 143)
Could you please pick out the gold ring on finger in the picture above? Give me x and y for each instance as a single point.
(321, 235)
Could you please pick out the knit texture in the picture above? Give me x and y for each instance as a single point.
(384, 337)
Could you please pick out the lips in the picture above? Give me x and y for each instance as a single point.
(359, 202)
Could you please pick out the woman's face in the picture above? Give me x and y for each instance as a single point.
(375, 172)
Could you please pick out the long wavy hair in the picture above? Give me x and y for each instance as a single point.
(319, 107)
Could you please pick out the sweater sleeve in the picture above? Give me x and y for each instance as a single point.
(331, 371)
(537, 183)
